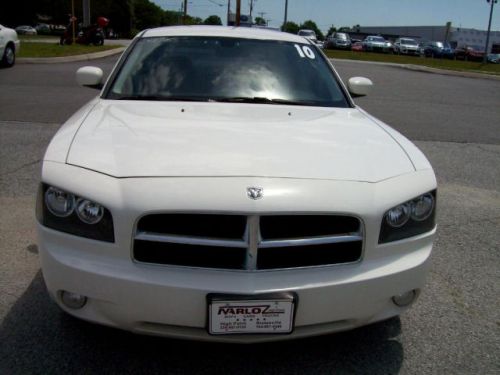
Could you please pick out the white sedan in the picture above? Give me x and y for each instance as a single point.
(9, 46)
(224, 186)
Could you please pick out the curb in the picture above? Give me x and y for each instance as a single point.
(64, 59)
(425, 69)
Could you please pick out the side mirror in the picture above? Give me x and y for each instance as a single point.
(359, 86)
(90, 76)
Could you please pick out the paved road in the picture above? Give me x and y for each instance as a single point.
(455, 327)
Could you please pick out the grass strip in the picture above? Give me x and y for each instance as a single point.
(30, 49)
(457, 65)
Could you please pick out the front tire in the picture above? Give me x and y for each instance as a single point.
(9, 56)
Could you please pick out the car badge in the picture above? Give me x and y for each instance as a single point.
(255, 192)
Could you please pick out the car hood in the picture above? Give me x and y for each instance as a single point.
(153, 139)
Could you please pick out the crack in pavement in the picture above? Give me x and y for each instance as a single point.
(20, 167)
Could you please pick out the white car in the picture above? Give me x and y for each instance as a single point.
(308, 34)
(224, 186)
(406, 46)
(9, 46)
(26, 30)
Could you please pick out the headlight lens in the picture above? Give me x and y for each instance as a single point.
(59, 202)
(63, 211)
(422, 207)
(398, 216)
(409, 219)
(89, 212)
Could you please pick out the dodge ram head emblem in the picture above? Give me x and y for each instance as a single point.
(255, 192)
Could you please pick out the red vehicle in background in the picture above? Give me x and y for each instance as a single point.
(92, 34)
(358, 46)
(469, 53)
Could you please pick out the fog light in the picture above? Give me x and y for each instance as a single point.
(405, 299)
(73, 300)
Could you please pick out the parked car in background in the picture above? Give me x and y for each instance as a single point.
(469, 53)
(494, 58)
(43, 28)
(9, 46)
(338, 41)
(358, 47)
(436, 49)
(405, 46)
(308, 34)
(376, 44)
(299, 214)
(26, 30)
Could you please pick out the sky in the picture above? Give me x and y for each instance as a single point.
(462, 13)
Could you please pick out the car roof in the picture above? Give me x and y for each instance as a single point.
(223, 31)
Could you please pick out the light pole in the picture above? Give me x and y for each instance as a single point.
(238, 12)
(485, 57)
(184, 16)
(286, 15)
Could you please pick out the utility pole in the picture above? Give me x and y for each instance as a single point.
(73, 19)
(228, 10)
(238, 12)
(86, 12)
(184, 17)
(251, 9)
(485, 58)
(286, 15)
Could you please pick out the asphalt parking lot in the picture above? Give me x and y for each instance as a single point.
(453, 329)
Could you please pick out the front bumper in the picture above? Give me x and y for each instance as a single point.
(171, 301)
(409, 51)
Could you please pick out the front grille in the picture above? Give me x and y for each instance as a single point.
(216, 226)
(189, 255)
(248, 242)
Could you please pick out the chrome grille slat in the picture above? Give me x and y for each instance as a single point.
(158, 237)
(310, 241)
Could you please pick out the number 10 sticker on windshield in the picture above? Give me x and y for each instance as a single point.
(305, 51)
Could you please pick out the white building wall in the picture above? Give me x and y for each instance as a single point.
(462, 36)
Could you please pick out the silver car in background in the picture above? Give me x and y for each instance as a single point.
(376, 44)
(406, 46)
(338, 41)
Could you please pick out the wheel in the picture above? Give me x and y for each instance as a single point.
(98, 41)
(9, 56)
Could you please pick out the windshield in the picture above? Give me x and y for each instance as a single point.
(409, 42)
(377, 39)
(226, 69)
(341, 36)
(307, 33)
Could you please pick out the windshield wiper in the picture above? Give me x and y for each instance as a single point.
(165, 98)
(260, 99)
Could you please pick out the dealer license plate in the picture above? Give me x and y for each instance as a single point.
(231, 315)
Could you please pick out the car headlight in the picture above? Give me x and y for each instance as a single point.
(409, 219)
(59, 202)
(63, 211)
(89, 212)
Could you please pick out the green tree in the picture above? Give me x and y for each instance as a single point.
(193, 20)
(331, 30)
(260, 21)
(147, 14)
(290, 27)
(311, 25)
(212, 20)
(345, 29)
